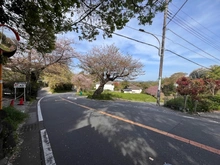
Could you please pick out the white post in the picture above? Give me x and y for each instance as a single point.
(15, 93)
(24, 95)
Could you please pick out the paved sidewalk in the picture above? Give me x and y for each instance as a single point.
(29, 150)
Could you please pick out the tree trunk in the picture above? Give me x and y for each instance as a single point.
(99, 91)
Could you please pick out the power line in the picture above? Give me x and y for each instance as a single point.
(147, 44)
(123, 36)
(176, 12)
(174, 43)
(193, 44)
(191, 50)
(197, 34)
(186, 59)
(197, 22)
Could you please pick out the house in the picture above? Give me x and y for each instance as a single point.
(132, 89)
(153, 91)
(108, 86)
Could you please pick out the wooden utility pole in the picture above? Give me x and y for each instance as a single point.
(162, 52)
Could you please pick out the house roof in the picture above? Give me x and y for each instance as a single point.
(134, 87)
(152, 90)
(130, 88)
(110, 83)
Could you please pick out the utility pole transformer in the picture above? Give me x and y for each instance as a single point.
(162, 52)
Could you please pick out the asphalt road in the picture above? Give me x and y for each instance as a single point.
(89, 132)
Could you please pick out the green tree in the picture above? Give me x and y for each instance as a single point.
(198, 73)
(173, 78)
(214, 72)
(39, 21)
(125, 84)
(168, 89)
(58, 77)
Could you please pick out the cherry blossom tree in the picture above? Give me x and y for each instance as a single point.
(82, 82)
(31, 63)
(106, 64)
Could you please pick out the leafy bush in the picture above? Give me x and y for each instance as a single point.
(58, 88)
(205, 103)
(215, 98)
(103, 96)
(209, 103)
(14, 117)
(176, 103)
(11, 118)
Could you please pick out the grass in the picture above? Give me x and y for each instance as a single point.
(134, 97)
(124, 96)
(10, 130)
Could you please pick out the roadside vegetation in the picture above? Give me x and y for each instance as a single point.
(205, 104)
(10, 124)
(107, 95)
(199, 92)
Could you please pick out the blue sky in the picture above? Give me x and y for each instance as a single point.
(193, 33)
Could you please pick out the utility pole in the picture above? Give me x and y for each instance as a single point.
(162, 52)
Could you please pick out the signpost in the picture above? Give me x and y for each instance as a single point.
(20, 85)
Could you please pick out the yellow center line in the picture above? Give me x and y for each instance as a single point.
(179, 138)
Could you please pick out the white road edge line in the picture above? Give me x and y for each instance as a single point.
(47, 150)
(40, 118)
(48, 153)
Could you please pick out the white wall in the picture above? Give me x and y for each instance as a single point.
(106, 87)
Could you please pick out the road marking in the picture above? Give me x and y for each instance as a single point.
(188, 117)
(48, 153)
(47, 150)
(74, 98)
(179, 138)
(40, 117)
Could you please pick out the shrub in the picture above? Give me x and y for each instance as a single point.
(176, 103)
(10, 121)
(205, 103)
(14, 117)
(103, 96)
(58, 88)
(209, 103)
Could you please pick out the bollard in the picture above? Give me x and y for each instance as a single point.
(21, 101)
(12, 103)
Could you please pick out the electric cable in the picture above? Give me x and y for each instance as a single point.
(175, 43)
(193, 45)
(197, 22)
(150, 45)
(186, 59)
(177, 12)
(196, 33)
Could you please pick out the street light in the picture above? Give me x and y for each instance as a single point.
(159, 53)
(159, 49)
